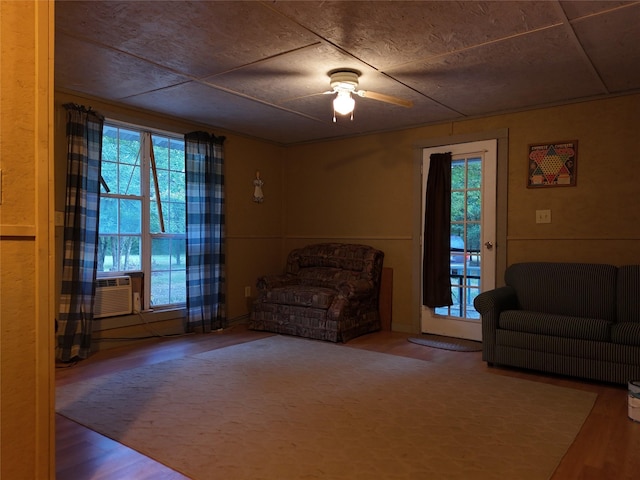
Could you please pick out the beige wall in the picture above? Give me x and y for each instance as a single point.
(26, 273)
(358, 190)
(599, 219)
(254, 230)
(363, 189)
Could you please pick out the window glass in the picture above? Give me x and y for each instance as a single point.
(169, 270)
(118, 253)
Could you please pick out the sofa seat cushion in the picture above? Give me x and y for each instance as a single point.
(555, 325)
(530, 343)
(302, 296)
(626, 333)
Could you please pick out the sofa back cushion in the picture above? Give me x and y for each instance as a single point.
(575, 289)
(629, 293)
(330, 262)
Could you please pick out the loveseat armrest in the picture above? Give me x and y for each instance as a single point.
(489, 305)
(355, 288)
(355, 298)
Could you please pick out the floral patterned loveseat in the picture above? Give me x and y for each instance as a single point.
(329, 291)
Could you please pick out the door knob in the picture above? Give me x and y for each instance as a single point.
(489, 245)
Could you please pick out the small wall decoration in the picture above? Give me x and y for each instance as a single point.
(258, 196)
(553, 164)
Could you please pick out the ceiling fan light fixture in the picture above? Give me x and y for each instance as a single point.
(344, 103)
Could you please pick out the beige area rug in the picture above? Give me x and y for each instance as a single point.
(285, 408)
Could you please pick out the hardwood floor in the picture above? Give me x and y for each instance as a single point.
(607, 447)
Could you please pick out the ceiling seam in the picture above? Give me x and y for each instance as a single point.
(568, 27)
(477, 45)
(349, 54)
(263, 60)
(603, 12)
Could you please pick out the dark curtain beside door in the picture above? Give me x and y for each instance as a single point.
(436, 282)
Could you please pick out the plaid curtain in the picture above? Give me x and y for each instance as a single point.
(436, 281)
(204, 169)
(84, 152)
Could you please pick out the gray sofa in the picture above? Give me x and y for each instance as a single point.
(574, 319)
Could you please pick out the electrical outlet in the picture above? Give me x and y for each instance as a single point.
(137, 307)
(59, 219)
(543, 216)
(247, 292)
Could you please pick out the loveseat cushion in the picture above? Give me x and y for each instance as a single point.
(302, 295)
(325, 276)
(555, 325)
(626, 333)
(333, 258)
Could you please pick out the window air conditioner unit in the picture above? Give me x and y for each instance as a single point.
(113, 297)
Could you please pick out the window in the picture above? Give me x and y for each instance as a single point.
(142, 211)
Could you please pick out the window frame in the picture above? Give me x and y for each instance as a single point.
(147, 197)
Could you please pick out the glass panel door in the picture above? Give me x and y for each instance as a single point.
(471, 256)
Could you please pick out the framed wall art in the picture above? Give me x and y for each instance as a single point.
(553, 164)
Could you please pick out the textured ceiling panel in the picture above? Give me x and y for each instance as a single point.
(199, 38)
(259, 67)
(479, 80)
(105, 73)
(584, 8)
(384, 34)
(612, 43)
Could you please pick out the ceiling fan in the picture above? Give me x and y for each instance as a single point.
(344, 83)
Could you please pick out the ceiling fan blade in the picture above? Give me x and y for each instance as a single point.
(385, 98)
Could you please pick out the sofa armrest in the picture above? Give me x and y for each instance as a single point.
(490, 304)
(496, 300)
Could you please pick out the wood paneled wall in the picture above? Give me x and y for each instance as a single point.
(26, 242)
